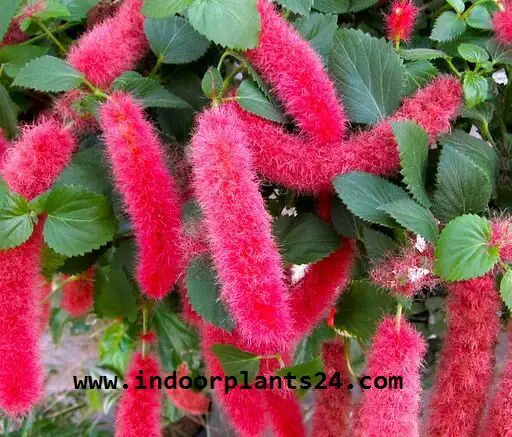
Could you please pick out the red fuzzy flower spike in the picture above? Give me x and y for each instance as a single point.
(139, 410)
(396, 350)
(148, 190)
(332, 406)
(499, 417)
(239, 230)
(111, 47)
(467, 359)
(401, 19)
(190, 401)
(501, 237)
(502, 23)
(78, 294)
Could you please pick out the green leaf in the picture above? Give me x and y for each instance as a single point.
(16, 222)
(483, 113)
(305, 239)
(78, 221)
(252, 99)
(447, 27)
(361, 308)
(212, 83)
(377, 244)
(363, 193)
(500, 54)
(478, 151)
(310, 346)
(174, 41)
(421, 54)
(368, 74)
(464, 249)
(115, 347)
(506, 289)
(52, 9)
(164, 8)
(114, 295)
(149, 92)
(413, 217)
(234, 361)
(298, 371)
(15, 56)
(319, 30)
(8, 117)
(476, 88)
(342, 6)
(458, 5)
(301, 7)
(78, 9)
(203, 292)
(343, 221)
(51, 261)
(58, 320)
(472, 53)
(462, 187)
(9, 8)
(49, 74)
(230, 23)
(418, 74)
(412, 143)
(480, 18)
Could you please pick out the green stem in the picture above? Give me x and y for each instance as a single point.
(229, 53)
(452, 67)
(58, 29)
(156, 67)
(473, 6)
(61, 286)
(398, 315)
(346, 351)
(95, 90)
(50, 36)
(280, 360)
(229, 79)
(487, 133)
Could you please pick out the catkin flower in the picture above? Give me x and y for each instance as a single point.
(139, 410)
(332, 406)
(400, 20)
(467, 359)
(502, 23)
(239, 230)
(14, 34)
(395, 351)
(284, 413)
(78, 294)
(501, 237)
(148, 190)
(190, 401)
(111, 47)
(499, 418)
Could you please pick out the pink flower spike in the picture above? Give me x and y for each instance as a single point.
(502, 23)
(148, 190)
(400, 20)
(190, 401)
(78, 294)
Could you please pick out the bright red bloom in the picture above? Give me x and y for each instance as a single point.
(332, 406)
(394, 351)
(148, 190)
(467, 359)
(284, 413)
(499, 418)
(139, 410)
(502, 23)
(192, 402)
(502, 237)
(78, 295)
(401, 19)
(111, 47)
(14, 34)
(239, 230)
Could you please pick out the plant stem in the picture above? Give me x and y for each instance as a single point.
(58, 29)
(279, 359)
(346, 351)
(473, 6)
(398, 315)
(95, 90)
(156, 67)
(51, 36)
(229, 79)
(452, 67)
(61, 286)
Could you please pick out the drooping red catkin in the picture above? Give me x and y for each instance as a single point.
(291, 161)
(467, 359)
(501, 237)
(499, 417)
(139, 410)
(395, 351)
(30, 167)
(14, 34)
(111, 47)
(502, 23)
(78, 295)
(239, 230)
(332, 406)
(284, 413)
(401, 19)
(148, 190)
(190, 401)
(300, 81)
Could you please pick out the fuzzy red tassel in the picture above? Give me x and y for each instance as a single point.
(14, 34)
(239, 229)
(111, 47)
(499, 417)
(139, 410)
(467, 359)
(395, 351)
(401, 19)
(332, 406)
(192, 402)
(502, 23)
(501, 237)
(284, 413)
(148, 190)
(78, 294)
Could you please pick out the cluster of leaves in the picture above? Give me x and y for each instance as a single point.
(196, 58)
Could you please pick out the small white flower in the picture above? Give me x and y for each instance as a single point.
(420, 244)
(298, 272)
(474, 132)
(416, 273)
(292, 212)
(500, 77)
